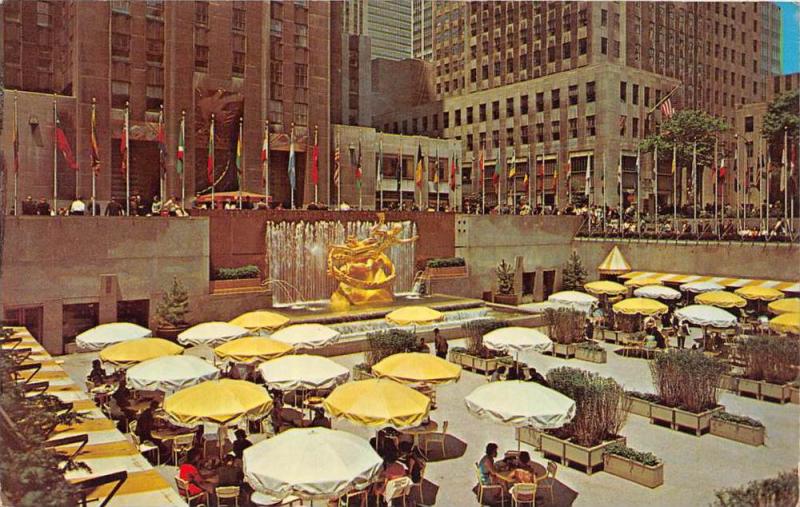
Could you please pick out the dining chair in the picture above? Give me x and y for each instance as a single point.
(145, 447)
(183, 491)
(361, 498)
(226, 493)
(181, 445)
(435, 437)
(523, 493)
(483, 488)
(550, 477)
(398, 488)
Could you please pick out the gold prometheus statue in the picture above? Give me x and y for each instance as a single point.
(364, 272)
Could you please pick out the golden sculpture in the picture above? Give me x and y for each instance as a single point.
(364, 272)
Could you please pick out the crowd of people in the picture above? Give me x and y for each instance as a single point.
(80, 206)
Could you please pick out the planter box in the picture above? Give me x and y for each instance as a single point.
(794, 394)
(764, 390)
(610, 336)
(638, 406)
(729, 383)
(739, 432)
(506, 299)
(650, 476)
(169, 332)
(747, 386)
(678, 419)
(234, 285)
(591, 355)
(447, 273)
(487, 366)
(566, 351)
(530, 436)
(590, 459)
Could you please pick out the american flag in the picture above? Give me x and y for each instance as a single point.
(666, 109)
(336, 165)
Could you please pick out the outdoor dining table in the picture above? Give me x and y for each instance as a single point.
(170, 433)
(430, 426)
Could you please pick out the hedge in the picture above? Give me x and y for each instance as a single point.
(249, 271)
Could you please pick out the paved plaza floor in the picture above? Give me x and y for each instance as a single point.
(694, 467)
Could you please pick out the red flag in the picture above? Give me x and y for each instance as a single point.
(482, 165)
(495, 179)
(65, 148)
(94, 151)
(666, 109)
(315, 164)
(453, 174)
(123, 146)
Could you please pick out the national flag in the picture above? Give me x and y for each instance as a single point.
(496, 178)
(337, 165)
(526, 180)
(315, 161)
(265, 154)
(181, 148)
(666, 109)
(292, 161)
(587, 187)
(379, 165)
(161, 138)
(239, 152)
(64, 147)
(94, 151)
(436, 169)
(15, 140)
(210, 155)
(418, 170)
(540, 175)
(482, 165)
(722, 173)
(123, 145)
(359, 171)
(555, 179)
(674, 162)
(512, 171)
(784, 162)
(453, 174)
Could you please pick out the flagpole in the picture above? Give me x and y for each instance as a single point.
(94, 172)
(316, 183)
(761, 170)
(638, 190)
(769, 163)
(603, 190)
(126, 126)
(213, 161)
(694, 186)
(531, 164)
(655, 185)
(291, 187)
(358, 168)
(674, 188)
(621, 194)
(16, 156)
(183, 163)
(436, 168)
(785, 172)
(266, 164)
(55, 156)
(738, 180)
(483, 180)
(379, 175)
(240, 159)
(716, 184)
(400, 179)
(162, 188)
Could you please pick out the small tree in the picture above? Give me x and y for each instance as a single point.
(383, 344)
(565, 325)
(475, 329)
(574, 273)
(782, 115)
(505, 278)
(687, 379)
(173, 308)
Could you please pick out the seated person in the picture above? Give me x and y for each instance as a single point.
(513, 372)
(97, 375)
(410, 456)
(659, 337)
(319, 420)
(523, 469)
(228, 473)
(241, 443)
(499, 373)
(535, 376)
(422, 346)
(488, 472)
(392, 469)
(145, 423)
(189, 473)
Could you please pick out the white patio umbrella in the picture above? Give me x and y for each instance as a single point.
(657, 292)
(520, 403)
(706, 315)
(170, 373)
(700, 287)
(517, 339)
(306, 336)
(104, 335)
(303, 372)
(211, 334)
(574, 299)
(311, 463)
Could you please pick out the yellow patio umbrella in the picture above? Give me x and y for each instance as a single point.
(416, 315)
(757, 293)
(640, 306)
(788, 305)
(721, 299)
(128, 353)
(606, 288)
(417, 367)
(614, 263)
(221, 402)
(642, 282)
(786, 323)
(252, 348)
(260, 319)
(378, 402)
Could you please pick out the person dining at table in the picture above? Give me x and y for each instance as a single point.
(97, 375)
(241, 443)
(410, 456)
(228, 473)
(522, 469)
(189, 472)
(319, 420)
(392, 469)
(489, 474)
(146, 422)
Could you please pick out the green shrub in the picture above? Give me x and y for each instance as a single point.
(174, 306)
(645, 458)
(739, 419)
(687, 379)
(780, 491)
(382, 344)
(249, 271)
(590, 346)
(651, 397)
(565, 325)
(446, 262)
(475, 330)
(599, 414)
(505, 278)
(574, 274)
(771, 358)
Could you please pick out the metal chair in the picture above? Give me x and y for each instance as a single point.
(550, 477)
(523, 493)
(183, 491)
(483, 488)
(397, 488)
(362, 498)
(143, 447)
(181, 445)
(224, 493)
(437, 437)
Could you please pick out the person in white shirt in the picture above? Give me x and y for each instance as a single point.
(78, 207)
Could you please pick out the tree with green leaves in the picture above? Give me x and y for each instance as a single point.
(782, 113)
(682, 130)
(173, 308)
(574, 273)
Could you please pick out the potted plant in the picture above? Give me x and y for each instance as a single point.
(590, 351)
(445, 268)
(599, 417)
(505, 284)
(770, 365)
(686, 383)
(643, 468)
(380, 345)
(171, 312)
(574, 274)
(476, 356)
(772, 492)
(738, 427)
(565, 328)
(639, 403)
(236, 279)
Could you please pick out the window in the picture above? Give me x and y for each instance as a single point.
(473, 75)
(457, 118)
(276, 113)
(300, 113)
(237, 66)
(646, 96)
(154, 97)
(498, 68)
(275, 48)
(239, 18)
(540, 102)
(582, 46)
(496, 110)
(120, 94)
(523, 104)
(122, 6)
(155, 8)
(555, 98)
(469, 115)
(435, 122)
(635, 127)
(470, 142)
(446, 120)
(540, 132)
(748, 123)
(551, 54)
(590, 92)
(510, 107)
(523, 134)
(603, 17)
(482, 112)
(604, 45)
(120, 45)
(201, 13)
(276, 27)
(623, 120)
(573, 128)
(566, 50)
(495, 139)
(573, 95)
(301, 75)
(509, 137)
(555, 130)
(485, 72)
(635, 94)
(623, 91)
(201, 57)
(591, 127)
(301, 36)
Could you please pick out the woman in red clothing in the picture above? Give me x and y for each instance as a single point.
(189, 473)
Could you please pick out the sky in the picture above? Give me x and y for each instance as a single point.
(790, 33)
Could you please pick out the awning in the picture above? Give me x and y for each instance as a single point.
(724, 281)
(614, 263)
